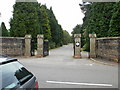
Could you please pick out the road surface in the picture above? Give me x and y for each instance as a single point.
(61, 70)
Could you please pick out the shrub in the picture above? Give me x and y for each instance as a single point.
(52, 45)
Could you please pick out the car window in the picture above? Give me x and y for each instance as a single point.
(14, 74)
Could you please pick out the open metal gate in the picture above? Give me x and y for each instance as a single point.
(46, 48)
(32, 47)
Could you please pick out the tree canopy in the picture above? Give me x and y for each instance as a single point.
(66, 37)
(25, 20)
(3, 30)
(34, 18)
(101, 18)
(56, 29)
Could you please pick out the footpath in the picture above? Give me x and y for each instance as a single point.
(98, 60)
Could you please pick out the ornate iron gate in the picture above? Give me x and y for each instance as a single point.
(46, 48)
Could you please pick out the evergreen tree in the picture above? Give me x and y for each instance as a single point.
(25, 20)
(114, 29)
(100, 18)
(56, 29)
(66, 37)
(97, 18)
(53, 25)
(45, 22)
(78, 30)
(34, 18)
(60, 35)
(39, 17)
(4, 31)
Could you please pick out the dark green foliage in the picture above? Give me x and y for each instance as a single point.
(25, 20)
(34, 18)
(53, 25)
(56, 29)
(78, 30)
(52, 45)
(86, 47)
(66, 37)
(114, 29)
(86, 40)
(97, 18)
(4, 31)
(60, 35)
(45, 22)
(101, 18)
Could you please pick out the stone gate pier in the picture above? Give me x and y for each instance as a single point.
(77, 45)
(40, 43)
(92, 45)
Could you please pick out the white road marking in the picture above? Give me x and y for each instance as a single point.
(74, 83)
(89, 64)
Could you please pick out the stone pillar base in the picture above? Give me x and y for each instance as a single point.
(116, 60)
(92, 56)
(26, 56)
(39, 56)
(77, 57)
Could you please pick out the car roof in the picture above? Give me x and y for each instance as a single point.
(5, 58)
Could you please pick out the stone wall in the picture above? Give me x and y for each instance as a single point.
(12, 46)
(108, 48)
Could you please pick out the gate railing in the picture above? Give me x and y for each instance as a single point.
(46, 48)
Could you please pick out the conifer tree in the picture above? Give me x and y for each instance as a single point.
(25, 20)
(45, 22)
(4, 31)
(66, 37)
(56, 29)
(114, 29)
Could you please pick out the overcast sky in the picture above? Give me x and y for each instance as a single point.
(67, 12)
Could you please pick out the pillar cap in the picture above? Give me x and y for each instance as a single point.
(28, 37)
(46, 40)
(77, 35)
(92, 35)
(40, 36)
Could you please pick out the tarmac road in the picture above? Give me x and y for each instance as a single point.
(61, 70)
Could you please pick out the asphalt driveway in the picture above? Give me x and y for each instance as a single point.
(61, 70)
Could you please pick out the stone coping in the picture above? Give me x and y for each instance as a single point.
(108, 38)
(12, 37)
(40, 36)
(77, 35)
